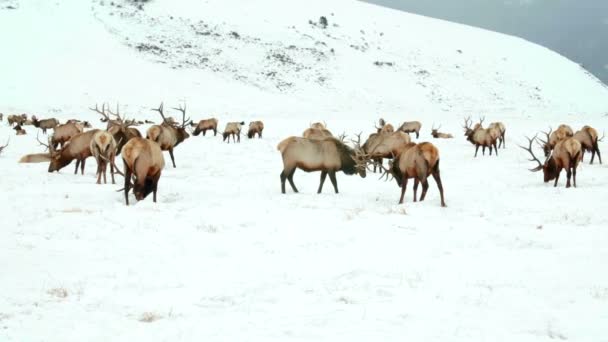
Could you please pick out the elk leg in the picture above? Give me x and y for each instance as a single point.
(155, 186)
(214, 132)
(425, 188)
(416, 182)
(557, 177)
(290, 179)
(334, 181)
(574, 175)
(323, 175)
(76, 168)
(127, 182)
(599, 156)
(504, 144)
(592, 156)
(483, 150)
(417, 133)
(437, 177)
(98, 173)
(172, 158)
(112, 170)
(476, 149)
(495, 149)
(403, 187)
(283, 178)
(568, 176)
(105, 168)
(204, 132)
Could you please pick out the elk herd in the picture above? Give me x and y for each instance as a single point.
(317, 149)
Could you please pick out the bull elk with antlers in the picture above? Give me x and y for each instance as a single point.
(411, 127)
(204, 126)
(479, 136)
(120, 128)
(168, 135)
(379, 146)
(328, 155)
(255, 127)
(438, 135)
(143, 161)
(589, 140)
(566, 155)
(78, 148)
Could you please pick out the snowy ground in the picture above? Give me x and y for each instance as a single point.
(224, 255)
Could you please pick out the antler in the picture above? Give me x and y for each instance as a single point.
(358, 141)
(2, 147)
(160, 111)
(481, 120)
(48, 146)
(184, 121)
(467, 123)
(529, 149)
(548, 136)
(342, 136)
(105, 118)
(121, 120)
(387, 172)
(603, 136)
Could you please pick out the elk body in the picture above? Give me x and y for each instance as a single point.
(317, 133)
(438, 135)
(417, 161)
(562, 132)
(168, 135)
(144, 162)
(566, 154)
(44, 124)
(233, 129)
(502, 129)
(328, 155)
(19, 130)
(589, 139)
(384, 145)
(255, 127)
(411, 127)
(103, 149)
(78, 148)
(479, 136)
(204, 126)
(63, 133)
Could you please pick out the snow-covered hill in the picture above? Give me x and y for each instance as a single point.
(223, 255)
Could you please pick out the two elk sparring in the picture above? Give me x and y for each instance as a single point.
(479, 136)
(589, 140)
(255, 127)
(233, 129)
(168, 135)
(204, 126)
(566, 154)
(327, 155)
(416, 161)
(143, 162)
(384, 145)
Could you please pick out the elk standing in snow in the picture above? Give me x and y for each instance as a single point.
(589, 139)
(255, 127)
(45, 123)
(562, 132)
(120, 128)
(233, 129)
(328, 155)
(379, 146)
(411, 127)
(103, 149)
(63, 133)
(416, 161)
(502, 129)
(384, 127)
(204, 126)
(566, 155)
(479, 136)
(19, 130)
(16, 119)
(77, 148)
(143, 161)
(168, 135)
(438, 135)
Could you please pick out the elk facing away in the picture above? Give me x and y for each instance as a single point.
(255, 127)
(479, 136)
(566, 155)
(417, 161)
(411, 127)
(502, 129)
(204, 126)
(103, 149)
(233, 129)
(438, 135)
(144, 162)
(589, 139)
(328, 155)
(45, 123)
(168, 135)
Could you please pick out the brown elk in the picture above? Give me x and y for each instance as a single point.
(479, 136)
(501, 129)
(438, 135)
(255, 127)
(44, 124)
(78, 148)
(144, 162)
(562, 132)
(120, 128)
(16, 119)
(233, 129)
(63, 133)
(416, 161)
(5, 145)
(384, 127)
(103, 149)
(204, 126)
(169, 135)
(328, 155)
(411, 127)
(566, 155)
(589, 139)
(19, 130)
(379, 146)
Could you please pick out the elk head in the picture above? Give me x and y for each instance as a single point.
(435, 131)
(548, 167)
(467, 126)
(57, 163)
(182, 133)
(360, 158)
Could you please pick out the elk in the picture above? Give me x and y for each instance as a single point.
(16, 119)
(319, 125)
(168, 135)
(83, 124)
(379, 146)
(255, 127)
(79, 148)
(479, 136)
(19, 130)
(63, 133)
(317, 133)
(438, 135)
(566, 155)
(588, 138)
(411, 127)
(5, 145)
(233, 129)
(416, 161)
(204, 126)
(562, 132)
(144, 162)
(120, 128)
(328, 155)
(384, 127)
(103, 149)
(501, 128)
(44, 124)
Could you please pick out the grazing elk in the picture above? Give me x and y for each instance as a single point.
(63, 133)
(19, 130)
(120, 128)
(103, 149)
(416, 161)
(168, 135)
(255, 127)
(438, 135)
(411, 127)
(78, 148)
(328, 155)
(44, 124)
(5, 145)
(144, 162)
(384, 127)
(566, 155)
(16, 119)
(379, 146)
(589, 139)
(233, 129)
(502, 129)
(479, 136)
(562, 132)
(204, 126)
